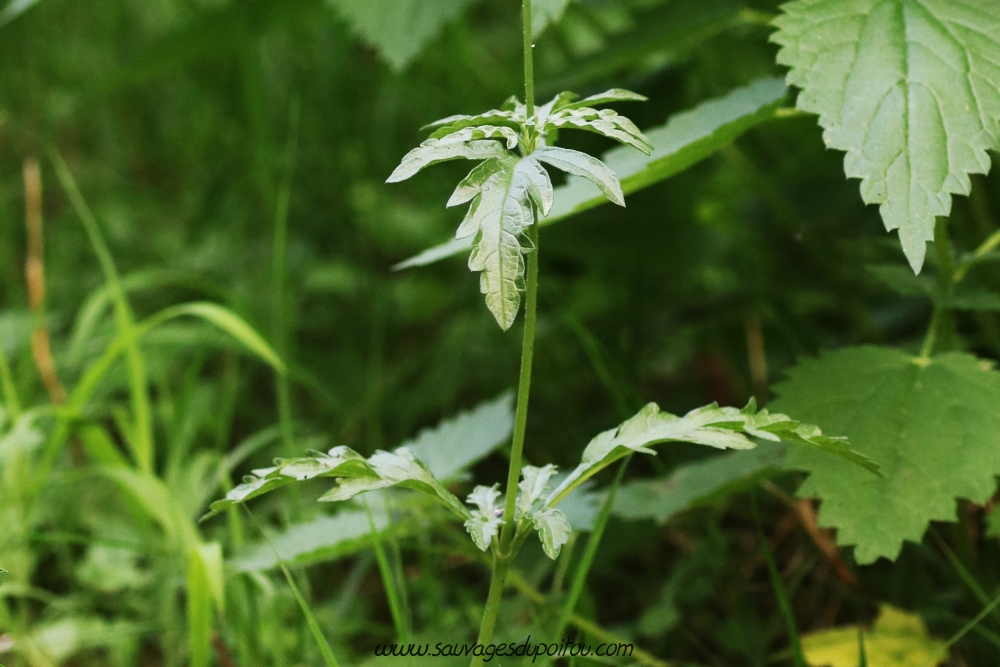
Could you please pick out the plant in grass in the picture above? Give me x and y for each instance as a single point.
(508, 192)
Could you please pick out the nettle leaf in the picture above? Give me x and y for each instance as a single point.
(909, 88)
(932, 425)
(486, 519)
(553, 530)
(722, 428)
(496, 117)
(399, 29)
(503, 208)
(581, 164)
(686, 139)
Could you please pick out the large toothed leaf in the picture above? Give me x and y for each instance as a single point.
(910, 89)
(553, 530)
(933, 425)
(606, 122)
(450, 448)
(686, 139)
(581, 164)
(498, 216)
(484, 521)
(471, 143)
(398, 468)
(399, 29)
(722, 428)
(339, 462)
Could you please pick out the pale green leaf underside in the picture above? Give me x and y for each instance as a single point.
(722, 428)
(686, 139)
(399, 29)
(910, 89)
(934, 428)
(553, 530)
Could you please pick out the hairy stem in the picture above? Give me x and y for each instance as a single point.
(529, 60)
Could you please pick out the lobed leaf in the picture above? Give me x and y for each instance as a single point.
(686, 139)
(606, 122)
(498, 117)
(553, 530)
(722, 428)
(910, 89)
(581, 164)
(486, 519)
(398, 468)
(499, 213)
(532, 487)
(455, 146)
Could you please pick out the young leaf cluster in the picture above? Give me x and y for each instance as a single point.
(510, 188)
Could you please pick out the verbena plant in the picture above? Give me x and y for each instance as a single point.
(510, 191)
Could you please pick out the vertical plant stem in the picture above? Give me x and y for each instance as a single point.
(34, 269)
(502, 558)
(529, 59)
(279, 278)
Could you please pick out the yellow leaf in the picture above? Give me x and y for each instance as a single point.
(899, 639)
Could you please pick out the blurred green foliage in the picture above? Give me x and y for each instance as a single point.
(175, 118)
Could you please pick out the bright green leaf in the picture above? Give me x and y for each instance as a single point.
(932, 425)
(910, 89)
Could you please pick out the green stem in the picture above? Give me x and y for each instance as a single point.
(941, 320)
(504, 555)
(529, 60)
(987, 246)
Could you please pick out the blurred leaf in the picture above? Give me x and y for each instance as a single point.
(201, 590)
(59, 640)
(14, 9)
(699, 483)
(399, 29)
(686, 139)
(451, 447)
(901, 280)
(931, 424)
(15, 331)
(544, 12)
(911, 90)
(971, 297)
(232, 324)
(321, 539)
(899, 639)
